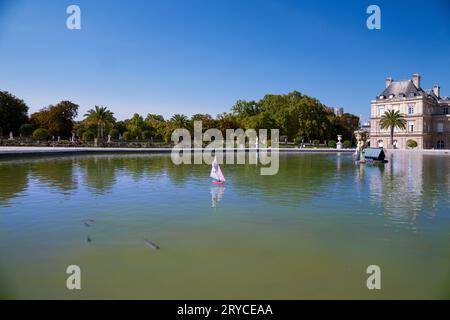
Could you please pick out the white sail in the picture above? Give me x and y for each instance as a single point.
(214, 167)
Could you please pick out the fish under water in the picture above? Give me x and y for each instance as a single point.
(87, 224)
(89, 239)
(151, 245)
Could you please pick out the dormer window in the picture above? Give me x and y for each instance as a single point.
(381, 97)
(391, 96)
(412, 94)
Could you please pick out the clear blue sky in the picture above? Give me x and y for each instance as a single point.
(196, 56)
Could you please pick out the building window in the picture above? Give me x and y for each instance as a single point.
(380, 111)
(410, 109)
(440, 144)
(411, 127)
(446, 110)
(440, 127)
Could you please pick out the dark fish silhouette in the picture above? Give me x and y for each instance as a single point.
(91, 220)
(89, 239)
(87, 224)
(151, 245)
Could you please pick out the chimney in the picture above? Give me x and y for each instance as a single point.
(437, 90)
(389, 80)
(416, 80)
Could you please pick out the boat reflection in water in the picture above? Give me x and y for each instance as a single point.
(217, 193)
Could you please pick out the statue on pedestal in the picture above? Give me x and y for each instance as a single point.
(361, 137)
(339, 144)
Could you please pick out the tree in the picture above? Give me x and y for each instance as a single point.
(392, 119)
(57, 119)
(345, 125)
(114, 133)
(13, 112)
(88, 135)
(128, 136)
(154, 117)
(136, 125)
(244, 109)
(26, 129)
(157, 125)
(146, 134)
(121, 126)
(100, 116)
(80, 132)
(227, 121)
(207, 121)
(180, 121)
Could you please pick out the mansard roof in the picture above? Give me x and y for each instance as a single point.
(405, 89)
(401, 89)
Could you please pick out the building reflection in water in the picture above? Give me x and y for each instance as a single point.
(404, 188)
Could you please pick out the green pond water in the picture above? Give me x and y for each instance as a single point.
(308, 232)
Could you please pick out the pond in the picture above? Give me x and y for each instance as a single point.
(310, 231)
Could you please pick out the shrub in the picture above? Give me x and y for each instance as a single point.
(88, 136)
(40, 134)
(114, 133)
(347, 144)
(1, 132)
(297, 141)
(316, 142)
(128, 136)
(411, 143)
(332, 144)
(26, 130)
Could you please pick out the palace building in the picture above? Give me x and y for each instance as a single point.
(426, 113)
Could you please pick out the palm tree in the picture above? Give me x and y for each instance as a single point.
(180, 120)
(100, 116)
(392, 119)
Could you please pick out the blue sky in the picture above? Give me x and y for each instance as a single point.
(200, 56)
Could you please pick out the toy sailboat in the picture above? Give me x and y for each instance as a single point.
(216, 173)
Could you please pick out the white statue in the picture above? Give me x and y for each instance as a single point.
(339, 144)
(11, 136)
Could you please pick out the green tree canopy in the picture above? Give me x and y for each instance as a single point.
(392, 119)
(26, 129)
(101, 117)
(57, 119)
(180, 121)
(13, 112)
